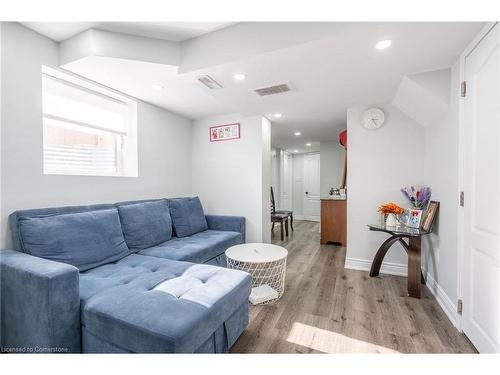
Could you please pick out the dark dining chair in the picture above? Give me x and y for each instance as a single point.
(280, 216)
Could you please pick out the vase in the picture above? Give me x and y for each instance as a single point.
(382, 220)
(391, 220)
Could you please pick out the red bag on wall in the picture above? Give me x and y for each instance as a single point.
(343, 138)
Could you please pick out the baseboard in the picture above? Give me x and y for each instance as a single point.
(387, 267)
(397, 269)
(444, 301)
(303, 217)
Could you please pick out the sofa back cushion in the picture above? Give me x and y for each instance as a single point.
(145, 224)
(187, 216)
(14, 218)
(83, 239)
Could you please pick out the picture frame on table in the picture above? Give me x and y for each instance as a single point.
(430, 216)
(224, 132)
(414, 218)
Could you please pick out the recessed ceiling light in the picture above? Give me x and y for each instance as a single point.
(157, 87)
(278, 115)
(308, 144)
(297, 133)
(383, 44)
(239, 77)
(295, 151)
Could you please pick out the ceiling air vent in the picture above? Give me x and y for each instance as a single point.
(210, 82)
(272, 90)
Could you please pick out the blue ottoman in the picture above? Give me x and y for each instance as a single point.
(151, 305)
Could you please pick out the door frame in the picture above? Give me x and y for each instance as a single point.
(461, 169)
(286, 181)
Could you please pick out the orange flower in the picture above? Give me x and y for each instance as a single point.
(390, 208)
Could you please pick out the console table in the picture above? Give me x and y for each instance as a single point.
(413, 249)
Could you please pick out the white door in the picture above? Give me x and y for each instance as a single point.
(481, 286)
(286, 183)
(312, 203)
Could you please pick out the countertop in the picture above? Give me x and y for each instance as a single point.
(334, 198)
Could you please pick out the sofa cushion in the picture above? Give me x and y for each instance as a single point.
(187, 216)
(198, 248)
(145, 224)
(145, 304)
(14, 217)
(82, 239)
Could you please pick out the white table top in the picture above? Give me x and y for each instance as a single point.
(256, 252)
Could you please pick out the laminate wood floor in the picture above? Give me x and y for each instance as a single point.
(329, 309)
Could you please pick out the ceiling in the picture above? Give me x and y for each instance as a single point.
(173, 31)
(332, 74)
(328, 75)
(182, 95)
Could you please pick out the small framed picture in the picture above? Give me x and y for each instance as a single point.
(430, 215)
(414, 218)
(224, 132)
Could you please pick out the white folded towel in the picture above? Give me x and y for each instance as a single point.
(262, 294)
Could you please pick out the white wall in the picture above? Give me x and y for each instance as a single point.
(380, 162)
(441, 167)
(424, 97)
(266, 179)
(331, 165)
(164, 141)
(233, 177)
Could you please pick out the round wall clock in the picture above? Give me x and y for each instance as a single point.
(373, 118)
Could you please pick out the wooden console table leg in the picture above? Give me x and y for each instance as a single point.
(286, 226)
(405, 246)
(379, 257)
(414, 270)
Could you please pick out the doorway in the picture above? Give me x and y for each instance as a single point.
(312, 203)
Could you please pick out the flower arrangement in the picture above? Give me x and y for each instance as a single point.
(418, 196)
(390, 208)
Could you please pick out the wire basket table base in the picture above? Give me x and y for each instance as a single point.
(270, 273)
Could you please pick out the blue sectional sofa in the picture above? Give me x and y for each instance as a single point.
(140, 277)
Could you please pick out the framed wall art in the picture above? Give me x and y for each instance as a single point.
(224, 132)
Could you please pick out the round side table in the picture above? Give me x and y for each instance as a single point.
(265, 262)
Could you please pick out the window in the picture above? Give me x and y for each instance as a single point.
(87, 129)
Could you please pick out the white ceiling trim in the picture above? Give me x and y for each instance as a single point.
(172, 31)
(117, 45)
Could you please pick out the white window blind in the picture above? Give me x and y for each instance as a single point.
(85, 132)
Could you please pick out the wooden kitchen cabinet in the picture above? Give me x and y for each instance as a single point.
(334, 221)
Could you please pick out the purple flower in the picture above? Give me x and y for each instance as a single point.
(405, 193)
(418, 196)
